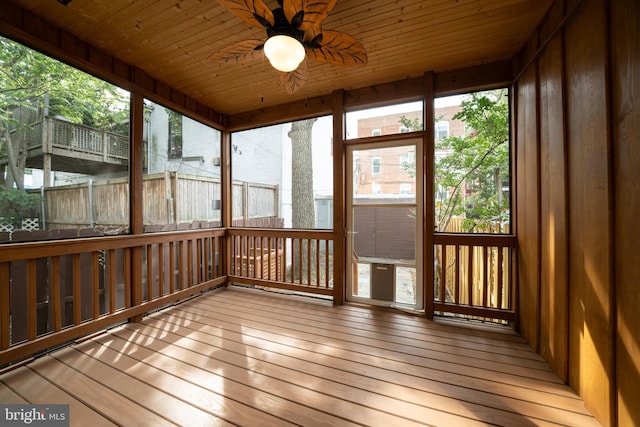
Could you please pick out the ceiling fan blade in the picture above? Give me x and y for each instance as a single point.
(335, 47)
(253, 12)
(244, 51)
(303, 14)
(295, 79)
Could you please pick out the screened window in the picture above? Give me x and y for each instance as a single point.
(181, 185)
(74, 130)
(471, 167)
(387, 120)
(283, 174)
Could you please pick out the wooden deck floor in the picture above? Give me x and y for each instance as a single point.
(252, 358)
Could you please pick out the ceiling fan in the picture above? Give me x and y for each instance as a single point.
(293, 32)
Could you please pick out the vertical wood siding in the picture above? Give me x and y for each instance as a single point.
(577, 121)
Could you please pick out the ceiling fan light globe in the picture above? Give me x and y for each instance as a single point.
(284, 52)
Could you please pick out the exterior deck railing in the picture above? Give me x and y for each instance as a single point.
(75, 137)
(300, 260)
(76, 287)
(473, 275)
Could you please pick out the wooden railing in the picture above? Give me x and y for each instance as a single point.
(53, 292)
(300, 260)
(76, 137)
(473, 275)
(76, 287)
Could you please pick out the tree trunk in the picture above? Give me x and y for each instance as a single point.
(303, 210)
(303, 207)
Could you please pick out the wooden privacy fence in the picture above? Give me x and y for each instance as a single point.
(473, 275)
(168, 198)
(79, 286)
(300, 260)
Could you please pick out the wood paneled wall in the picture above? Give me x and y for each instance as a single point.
(625, 120)
(577, 130)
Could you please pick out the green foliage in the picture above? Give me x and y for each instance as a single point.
(470, 169)
(476, 164)
(413, 125)
(17, 204)
(26, 76)
(32, 83)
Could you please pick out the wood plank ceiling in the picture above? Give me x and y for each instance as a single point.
(172, 39)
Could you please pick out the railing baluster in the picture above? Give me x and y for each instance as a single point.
(190, 271)
(127, 277)
(243, 267)
(317, 262)
(308, 242)
(95, 283)
(160, 270)
(470, 275)
(5, 306)
(256, 256)
(149, 259)
(326, 260)
(77, 294)
(443, 274)
(32, 300)
(54, 297)
(111, 267)
(300, 244)
(499, 277)
(456, 297)
(172, 267)
(181, 266)
(485, 276)
(268, 247)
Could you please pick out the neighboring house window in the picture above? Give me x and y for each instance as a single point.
(376, 166)
(405, 188)
(442, 130)
(407, 160)
(175, 135)
(376, 132)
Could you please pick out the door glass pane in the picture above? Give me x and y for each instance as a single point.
(405, 284)
(384, 175)
(384, 234)
(383, 225)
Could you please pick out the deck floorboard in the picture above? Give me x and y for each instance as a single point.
(246, 357)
